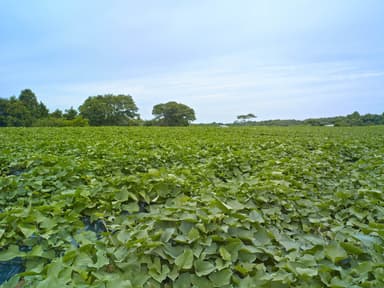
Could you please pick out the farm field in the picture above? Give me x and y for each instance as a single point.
(192, 207)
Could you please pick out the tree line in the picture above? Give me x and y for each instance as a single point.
(353, 119)
(100, 110)
(121, 110)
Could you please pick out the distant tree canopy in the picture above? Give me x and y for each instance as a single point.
(103, 110)
(70, 113)
(173, 114)
(121, 110)
(353, 119)
(26, 111)
(29, 100)
(246, 118)
(21, 111)
(56, 114)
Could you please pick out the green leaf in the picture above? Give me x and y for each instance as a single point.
(336, 282)
(288, 243)
(160, 275)
(221, 204)
(221, 278)
(364, 267)
(173, 251)
(185, 260)
(1, 232)
(351, 248)
(36, 251)
(235, 205)
(123, 236)
(119, 282)
(262, 237)
(167, 234)
(225, 254)
(27, 229)
(335, 252)
(183, 281)
(193, 235)
(122, 195)
(10, 253)
(310, 272)
(201, 282)
(102, 259)
(82, 261)
(256, 217)
(203, 268)
(48, 223)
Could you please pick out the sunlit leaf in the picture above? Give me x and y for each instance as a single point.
(185, 260)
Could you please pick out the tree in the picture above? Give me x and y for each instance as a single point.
(246, 118)
(173, 114)
(70, 113)
(109, 110)
(17, 114)
(29, 100)
(21, 111)
(43, 110)
(354, 119)
(60, 122)
(3, 112)
(57, 114)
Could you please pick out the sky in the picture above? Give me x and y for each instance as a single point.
(276, 59)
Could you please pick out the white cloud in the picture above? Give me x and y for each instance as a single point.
(218, 93)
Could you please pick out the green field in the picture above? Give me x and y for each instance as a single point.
(193, 207)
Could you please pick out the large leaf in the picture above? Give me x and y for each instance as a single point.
(203, 268)
(11, 252)
(221, 278)
(185, 260)
(335, 252)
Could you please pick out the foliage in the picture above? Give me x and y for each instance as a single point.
(70, 113)
(78, 121)
(173, 114)
(278, 122)
(196, 207)
(37, 110)
(56, 114)
(14, 113)
(26, 111)
(106, 110)
(245, 118)
(354, 119)
(21, 111)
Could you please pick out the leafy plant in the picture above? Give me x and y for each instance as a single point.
(196, 207)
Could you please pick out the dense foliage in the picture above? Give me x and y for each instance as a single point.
(21, 111)
(173, 114)
(193, 207)
(100, 110)
(51, 121)
(121, 110)
(353, 119)
(26, 111)
(107, 110)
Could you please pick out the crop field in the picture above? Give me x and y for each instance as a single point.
(192, 207)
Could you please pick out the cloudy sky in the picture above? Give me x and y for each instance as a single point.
(274, 58)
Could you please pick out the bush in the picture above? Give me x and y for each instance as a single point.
(78, 121)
